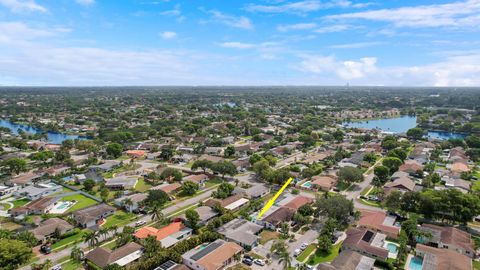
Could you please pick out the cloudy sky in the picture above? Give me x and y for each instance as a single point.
(236, 42)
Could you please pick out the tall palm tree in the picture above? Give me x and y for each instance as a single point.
(156, 213)
(47, 264)
(128, 203)
(103, 232)
(91, 237)
(285, 259)
(114, 229)
(77, 254)
(302, 266)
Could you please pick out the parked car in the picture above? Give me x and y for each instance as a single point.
(140, 223)
(248, 257)
(297, 252)
(57, 267)
(46, 249)
(247, 261)
(303, 246)
(259, 262)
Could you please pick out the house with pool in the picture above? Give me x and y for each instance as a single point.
(446, 237)
(427, 257)
(379, 221)
(367, 243)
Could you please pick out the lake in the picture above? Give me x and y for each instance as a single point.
(401, 125)
(53, 137)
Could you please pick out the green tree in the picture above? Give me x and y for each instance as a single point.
(115, 150)
(338, 208)
(415, 133)
(392, 163)
(324, 243)
(229, 151)
(204, 164)
(393, 200)
(193, 217)
(223, 191)
(224, 168)
(77, 254)
(398, 153)
(189, 188)
(350, 175)
(15, 165)
(27, 237)
(171, 174)
(13, 253)
(156, 198)
(88, 184)
(381, 172)
(91, 238)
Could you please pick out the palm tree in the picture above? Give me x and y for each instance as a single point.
(128, 203)
(47, 264)
(77, 254)
(91, 237)
(103, 232)
(302, 267)
(285, 259)
(114, 229)
(156, 213)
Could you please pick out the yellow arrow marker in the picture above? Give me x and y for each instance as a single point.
(272, 200)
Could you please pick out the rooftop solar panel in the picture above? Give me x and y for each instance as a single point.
(202, 253)
(367, 236)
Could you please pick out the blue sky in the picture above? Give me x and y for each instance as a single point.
(233, 42)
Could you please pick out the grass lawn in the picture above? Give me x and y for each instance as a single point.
(342, 186)
(212, 182)
(6, 224)
(476, 186)
(370, 203)
(476, 265)
(82, 202)
(120, 218)
(71, 265)
(239, 267)
(4, 206)
(365, 190)
(320, 256)
(21, 202)
(76, 238)
(266, 236)
(110, 245)
(304, 255)
(142, 186)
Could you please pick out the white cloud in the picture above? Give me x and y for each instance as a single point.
(85, 2)
(302, 7)
(230, 20)
(19, 32)
(357, 45)
(168, 35)
(298, 26)
(333, 28)
(465, 13)
(175, 12)
(22, 5)
(238, 45)
(459, 70)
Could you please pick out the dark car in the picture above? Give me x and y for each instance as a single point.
(248, 257)
(45, 249)
(247, 261)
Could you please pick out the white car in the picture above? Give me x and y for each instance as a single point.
(259, 262)
(303, 246)
(297, 252)
(140, 223)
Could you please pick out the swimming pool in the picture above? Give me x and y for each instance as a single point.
(307, 184)
(392, 248)
(416, 263)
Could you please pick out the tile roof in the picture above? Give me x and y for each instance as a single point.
(453, 236)
(103, 257)
(161, 233)
(215, 259)
(298, 202)
(443, 259)
(376, 220)
(92, 212)
(282, 214)
(356, 239)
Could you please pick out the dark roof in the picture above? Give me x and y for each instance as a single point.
(359, 238)
(102, 257)
(92, 212)
(282, 214)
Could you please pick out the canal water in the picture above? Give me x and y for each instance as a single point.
(53, 137)
(401, 125)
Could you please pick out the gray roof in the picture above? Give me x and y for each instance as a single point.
(125, 181)
(241, 231)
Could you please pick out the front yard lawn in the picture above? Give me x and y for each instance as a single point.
(76, 238)
(71, 265)
(320, 256)
(212, 182)
(266, 236)
(82, 202)
(120, 218)
(142, 186)
(476, 185)
(20, 202)
(304, 255)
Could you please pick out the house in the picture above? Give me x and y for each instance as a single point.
(379, 221)
(197, 178)
(348, 260)
(324, 182)
(298, 202)
(233, 202)
(253, 192)
(36, 207)
(107, 166)
(122, 256)
(399, 174)
(37, 191)
(171, 265)
(57, 170)
(135, 153)
(403, 184)
(25, 179)
(91, 216)
(136, 199)
(205, 213)
(317, 157)
(122, 182)
(411, 167)
(460, 184)
(48, 227)
(214, 256)
(242, 232)
(168, 235)
(242, 164)
(366, 242)
(217, 151)
(168, 188)
(448, 238)
(277, 217)
(5, 191)
(442, 259)
(458, 167)
(213, 159)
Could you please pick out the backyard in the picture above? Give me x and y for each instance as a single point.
(120, 218)
(82, 201)
(142, 186)
(321, 256)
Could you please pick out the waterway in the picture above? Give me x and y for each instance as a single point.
(53, 137)
(401, 125)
